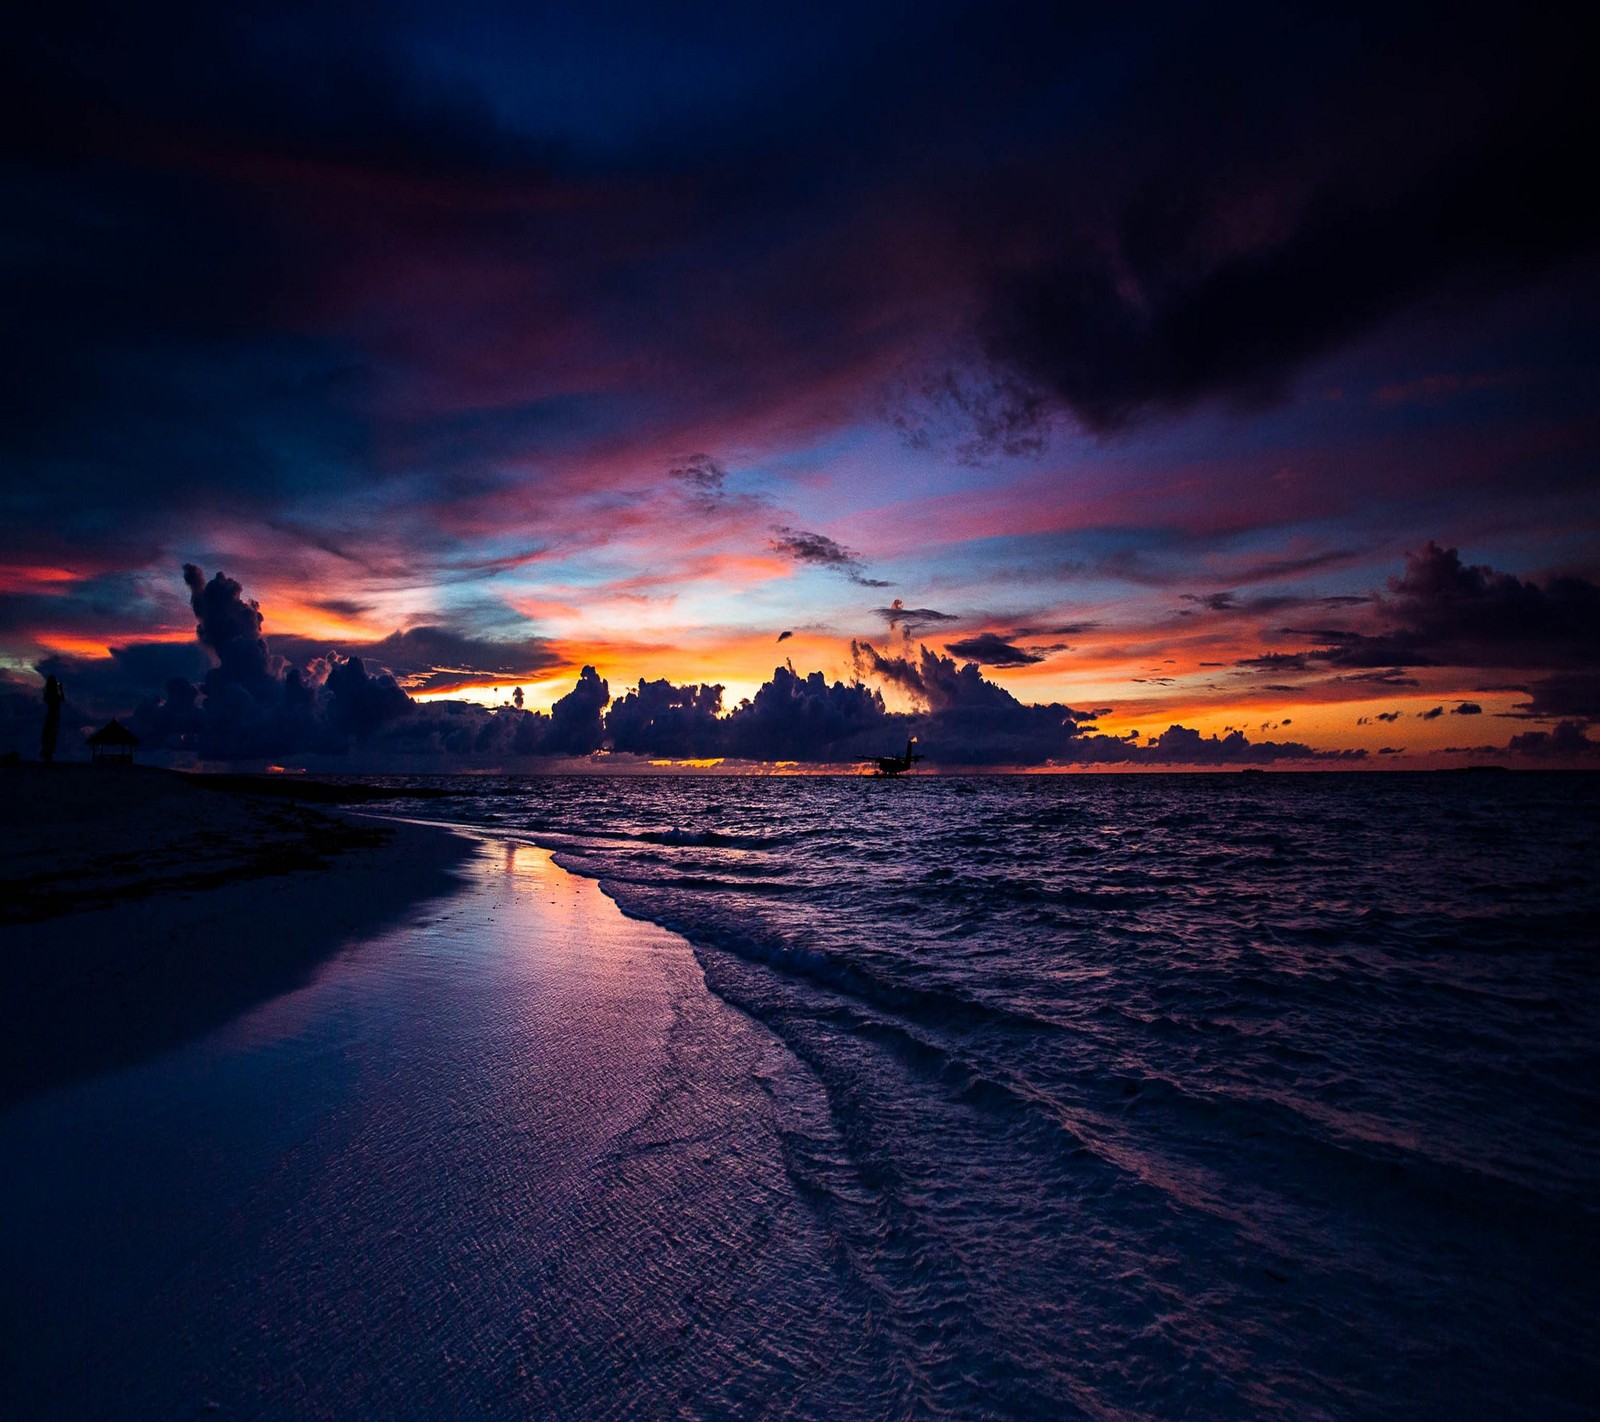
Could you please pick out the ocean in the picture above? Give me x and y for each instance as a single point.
(1158, 1096)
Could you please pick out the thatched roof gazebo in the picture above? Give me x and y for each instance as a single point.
(113, 744)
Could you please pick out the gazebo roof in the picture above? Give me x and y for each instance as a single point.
(113, 733)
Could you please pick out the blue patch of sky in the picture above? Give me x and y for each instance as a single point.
(614, 81)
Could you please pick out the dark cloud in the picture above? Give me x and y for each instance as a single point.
(1389, 715)
(794, 717)
(820, 551)
(1465, 615)
(1443, 612)
(1574, 695)
(990, 649)
(87, 606)
(1431, 715)
(432, 657)
(1214, 602)
(660, 719)
(980, 417)
(937, 682)
(1259, 604)
(897, 614)
(1279, 661)
(229, 627)
(970, 720)
(1069, 629)
(1180, 745)
(253, 703)
(1392, 676)
(703, 479)
(577, 727)
(103, 687)
(1467, 708)
(358, 704)
(785, 635)
(1172, 296)
(1270, 570)
(205, 207)
(1567, 740)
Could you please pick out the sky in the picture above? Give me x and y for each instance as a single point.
(1109, 386)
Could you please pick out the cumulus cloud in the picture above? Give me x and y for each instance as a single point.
(102, 687)
(577, 726)
(1566, 743)
(794, 717)
(660, 719)
(230, 627)
(252, 703)
(970, 720)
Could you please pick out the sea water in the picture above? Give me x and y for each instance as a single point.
(1221, 1096)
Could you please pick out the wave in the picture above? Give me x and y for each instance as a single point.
(1240, 1069)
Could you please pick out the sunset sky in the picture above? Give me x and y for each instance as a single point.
(1230, 373)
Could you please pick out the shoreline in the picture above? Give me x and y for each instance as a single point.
(139, 910)
(514, 1149)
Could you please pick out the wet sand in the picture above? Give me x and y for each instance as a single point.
(507, 1157)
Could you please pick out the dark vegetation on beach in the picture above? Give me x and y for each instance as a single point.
(142, 907)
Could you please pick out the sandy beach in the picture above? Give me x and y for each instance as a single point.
(493, 1153)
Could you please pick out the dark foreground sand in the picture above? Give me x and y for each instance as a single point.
(140, 908)
(504, 1155)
